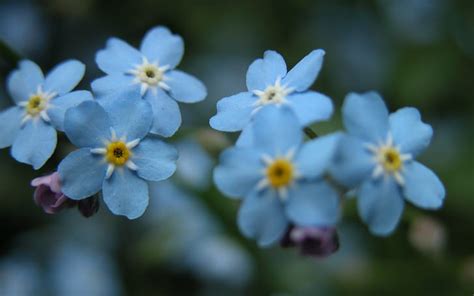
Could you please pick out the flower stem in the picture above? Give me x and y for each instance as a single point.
(310, 133)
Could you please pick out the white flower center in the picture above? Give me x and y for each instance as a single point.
(273, 94)
(37, 105)
(150, 76)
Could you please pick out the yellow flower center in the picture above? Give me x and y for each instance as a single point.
(280, 173)
(117, 153)
(390, 159)
(150, 74)
(35, 105)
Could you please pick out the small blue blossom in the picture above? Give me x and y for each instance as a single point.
(151, 72)
(280, 178)
(377, 157)
(41, 102)
(269, 83)
(115, 154)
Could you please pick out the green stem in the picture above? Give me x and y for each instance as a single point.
(310, 133)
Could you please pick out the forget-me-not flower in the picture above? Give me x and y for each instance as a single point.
(41, 102)
(115, 154)
(280, 177)
(269, 83)
(377, 157)
(151, 72)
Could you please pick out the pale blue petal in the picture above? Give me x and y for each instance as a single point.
(24, 81)
(82, 174)
(159, 44)
(422, 187)
(234, 112)
(35, 143)
(265, 72)
(303, 74)
(59, 106)
(238, 172)
(112, 84)
(130, 116)
(316, 155)
(409, 132)
(246, 136)
(277, 130)
(380, 205)
(118, 57)
(313, 204)
(262, 217)
(87, 125)
(64, 77)
(185, 88)
(126, 194)
(311, 107)
(166, 114)
(10, 124)
(156, 160)
(366, 116)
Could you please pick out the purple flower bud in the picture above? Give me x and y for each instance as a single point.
(48, 194)
(312, 241)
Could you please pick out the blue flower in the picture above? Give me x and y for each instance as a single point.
(29, 127)
(280, 178)
(377, 157)
(269, 83)
(151, 72)
(115, 154)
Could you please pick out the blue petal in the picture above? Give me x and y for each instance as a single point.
(126, 194)
(277, 130)
(112, 84)
(246, 136)
(313, 204)
(131, 117)
(23, 82)
(316, 155)
(166, 114)
(185, 88)
(64, 77)
(352, 162)
(118, 57)
(155, 159)
(380, 205)
(10, 124)
(311, 107)
(366, 116)
(303, 74)
(238, 172)
(422, 187)
(35, 143)
(409, 132)
(234, 112)
(159, 44)
(82, 174)
(87, 125)
(262, 217)
(265, 72)
(60, 105)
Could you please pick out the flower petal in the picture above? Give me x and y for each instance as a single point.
(10, 124)
(422, 187)
(60, 105)
(24, 81)
(118, 57)
(238, 172)
(311, 107)
(316, 155)
(265, 72)
(166, 114)
(82, 174)
(380, 205)
(64, 77)
(112, 84)
(159, 44)
(126, 194)
(185, 88)
(246, 136)
(366, 116)
(313, 204)
(156, 160)
(234, 112)
(87, 125)
(35, 143)
(409, 132)
(262, 217)
(303, 74)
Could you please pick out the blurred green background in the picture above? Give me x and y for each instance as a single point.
(414, 52)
